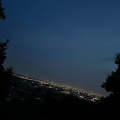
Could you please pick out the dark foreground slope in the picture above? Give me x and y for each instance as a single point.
(41, 100)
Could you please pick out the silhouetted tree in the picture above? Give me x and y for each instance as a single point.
(112, 83)
(5, 74)
(2, 9)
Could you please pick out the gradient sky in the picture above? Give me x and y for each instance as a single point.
(73, 42)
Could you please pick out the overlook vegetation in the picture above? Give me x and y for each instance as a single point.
(23, 99)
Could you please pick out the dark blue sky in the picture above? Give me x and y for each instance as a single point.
(73, 42)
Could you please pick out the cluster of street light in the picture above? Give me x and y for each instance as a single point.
(61, 88)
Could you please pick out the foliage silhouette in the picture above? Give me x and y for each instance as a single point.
(112, 83)
(110, 105)
(5, 74)
(2, 11)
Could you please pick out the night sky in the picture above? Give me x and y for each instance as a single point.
(72, 42)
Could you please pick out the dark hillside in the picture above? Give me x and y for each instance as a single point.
(32, 99)
(38, 99)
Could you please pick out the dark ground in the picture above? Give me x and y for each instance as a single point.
(53, 105)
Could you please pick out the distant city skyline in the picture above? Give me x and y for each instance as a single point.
(72, 42)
